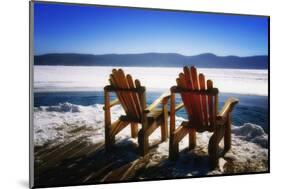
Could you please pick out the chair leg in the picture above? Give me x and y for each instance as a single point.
(213, 147)
(227, 134)
(109, 140)
(213, 150)
(192, 138)
(110, 132)
(143, 143)
(164, 132)
(134, 130)
(175, 138)
(164, 126)
(173, 148)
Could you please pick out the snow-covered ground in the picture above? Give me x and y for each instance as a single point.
(55, 124)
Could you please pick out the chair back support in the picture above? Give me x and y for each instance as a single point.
(128, 92)
(199, 97)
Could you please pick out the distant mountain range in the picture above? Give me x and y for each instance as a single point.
(206, 60)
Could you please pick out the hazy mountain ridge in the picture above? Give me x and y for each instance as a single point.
(206, 60)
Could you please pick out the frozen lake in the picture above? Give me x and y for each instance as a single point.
(94, 78)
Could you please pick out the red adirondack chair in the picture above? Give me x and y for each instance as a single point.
(200, 100)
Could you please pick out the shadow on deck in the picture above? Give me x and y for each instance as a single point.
(82, 162)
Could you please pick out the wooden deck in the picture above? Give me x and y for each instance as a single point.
(82, 162)
(79, 161)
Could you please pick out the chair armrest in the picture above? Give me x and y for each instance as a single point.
(227, 108)
(113, 103)
(162, 99)
(179, 106)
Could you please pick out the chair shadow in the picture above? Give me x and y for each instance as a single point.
(86, 167)
(89, 163)
(189, 163)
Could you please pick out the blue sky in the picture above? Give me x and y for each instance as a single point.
(102, 30)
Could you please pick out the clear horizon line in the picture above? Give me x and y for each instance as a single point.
(148, 53)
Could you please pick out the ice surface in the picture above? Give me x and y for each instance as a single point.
(82, 78)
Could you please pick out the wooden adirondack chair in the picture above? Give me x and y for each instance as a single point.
(132, 97)
(200, 100)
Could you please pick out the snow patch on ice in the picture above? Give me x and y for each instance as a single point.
(52, 122)
(251, 132)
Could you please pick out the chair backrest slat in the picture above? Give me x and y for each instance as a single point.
(211, 104)
(113, 82)
(197, 98)
(134, 96)
(127, 95)
(129, 100)
(190, 102)
(201, 108)
(181, 83)
(190, 87)
(203, 99)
